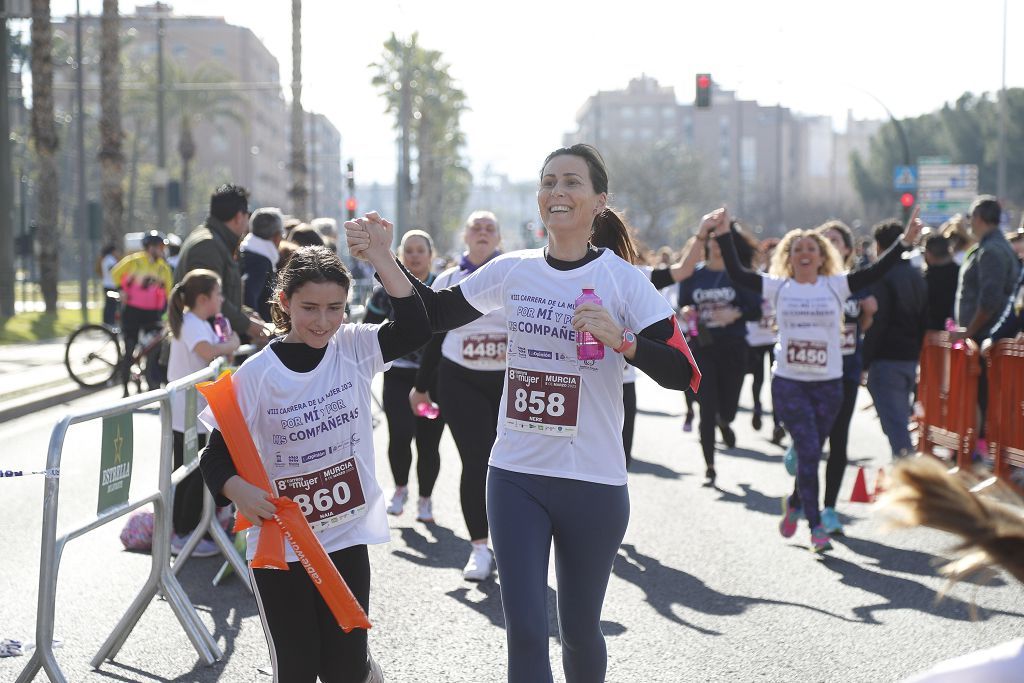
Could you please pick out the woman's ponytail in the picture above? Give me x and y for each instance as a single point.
(176, 308)
(610, 231)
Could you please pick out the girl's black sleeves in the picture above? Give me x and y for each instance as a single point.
(217, 467)
(408, 329)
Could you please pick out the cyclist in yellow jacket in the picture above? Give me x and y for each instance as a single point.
(145, 280)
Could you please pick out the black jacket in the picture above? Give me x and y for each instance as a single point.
(941, 293)
(899, 325)
(257, 282)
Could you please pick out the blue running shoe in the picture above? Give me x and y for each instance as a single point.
(820, 541)
(789, 460)
(830, 520)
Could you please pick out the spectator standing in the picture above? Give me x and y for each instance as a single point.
(941, 278)
(259, 255)
(892, 345)
(212, 245)
(988, 274)
(960, 240)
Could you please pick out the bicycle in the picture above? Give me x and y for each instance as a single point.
(94, 353)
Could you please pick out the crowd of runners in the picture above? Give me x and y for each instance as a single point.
(529, 357)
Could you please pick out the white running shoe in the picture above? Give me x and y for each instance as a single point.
(398, 501)
(206, 548)
(479, 566)
(425, 511)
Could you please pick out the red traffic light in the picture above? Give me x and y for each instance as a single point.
(703, 81)
(907, 200)
(350, 204)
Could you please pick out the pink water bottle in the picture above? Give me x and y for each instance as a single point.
(587, 347)
(428, 410)
(221, 327)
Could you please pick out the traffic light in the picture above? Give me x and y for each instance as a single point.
(907, 200)
(350, 207)
(703, 99)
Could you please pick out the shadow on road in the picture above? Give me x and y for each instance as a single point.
(227, 605)
(753, 500)
(899, 593)
(893, 559)
(665, 587)
(751, 454)
(644, 467)
(485, 598)
(445, 551)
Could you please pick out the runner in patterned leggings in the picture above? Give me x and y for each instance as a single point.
(468, 367)
(416, 251)
(808, 290)
(321, 361)
(557, 470)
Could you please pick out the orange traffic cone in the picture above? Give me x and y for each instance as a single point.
(879, 485)
(860, 488)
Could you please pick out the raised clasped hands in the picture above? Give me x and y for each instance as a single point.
(716, 222)
(596, 320)
(369, 237)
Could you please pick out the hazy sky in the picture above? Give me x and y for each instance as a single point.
(528, 66)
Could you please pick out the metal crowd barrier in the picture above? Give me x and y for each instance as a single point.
(1005, 419)
(948, 392)
(162, 576)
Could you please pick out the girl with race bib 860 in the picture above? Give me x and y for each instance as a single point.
(557, 470)
(306, 399)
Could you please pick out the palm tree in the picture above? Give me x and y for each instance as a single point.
(111, 134)
(194, 104)
(44, 137)
(298, 190)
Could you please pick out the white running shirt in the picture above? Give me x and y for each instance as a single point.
(480, 345)
(315, 437)
(561, 417)
(184, 361)
(810, 318)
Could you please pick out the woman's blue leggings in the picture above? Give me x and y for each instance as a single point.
(808, 410)
(587, 522)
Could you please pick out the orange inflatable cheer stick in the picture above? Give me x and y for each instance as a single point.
(288, 521)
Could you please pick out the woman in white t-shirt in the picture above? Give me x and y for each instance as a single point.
(807, 289)
(306, 398)
(557, 469)
(194, 344)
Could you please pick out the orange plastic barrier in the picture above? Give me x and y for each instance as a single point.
(948, 394)
(289, 523)
(1005, 420)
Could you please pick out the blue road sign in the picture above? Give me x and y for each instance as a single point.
(904, 177)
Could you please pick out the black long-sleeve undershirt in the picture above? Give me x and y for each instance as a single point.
(666, 365)
(857, 280)
(402, 335)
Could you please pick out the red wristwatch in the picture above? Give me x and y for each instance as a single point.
(628, 340)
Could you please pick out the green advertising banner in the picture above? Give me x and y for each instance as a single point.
(115, 462)
(191, 434)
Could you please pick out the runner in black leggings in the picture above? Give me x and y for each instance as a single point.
(468, 367)
(858, 310)
(721, 345)
(416, 251)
